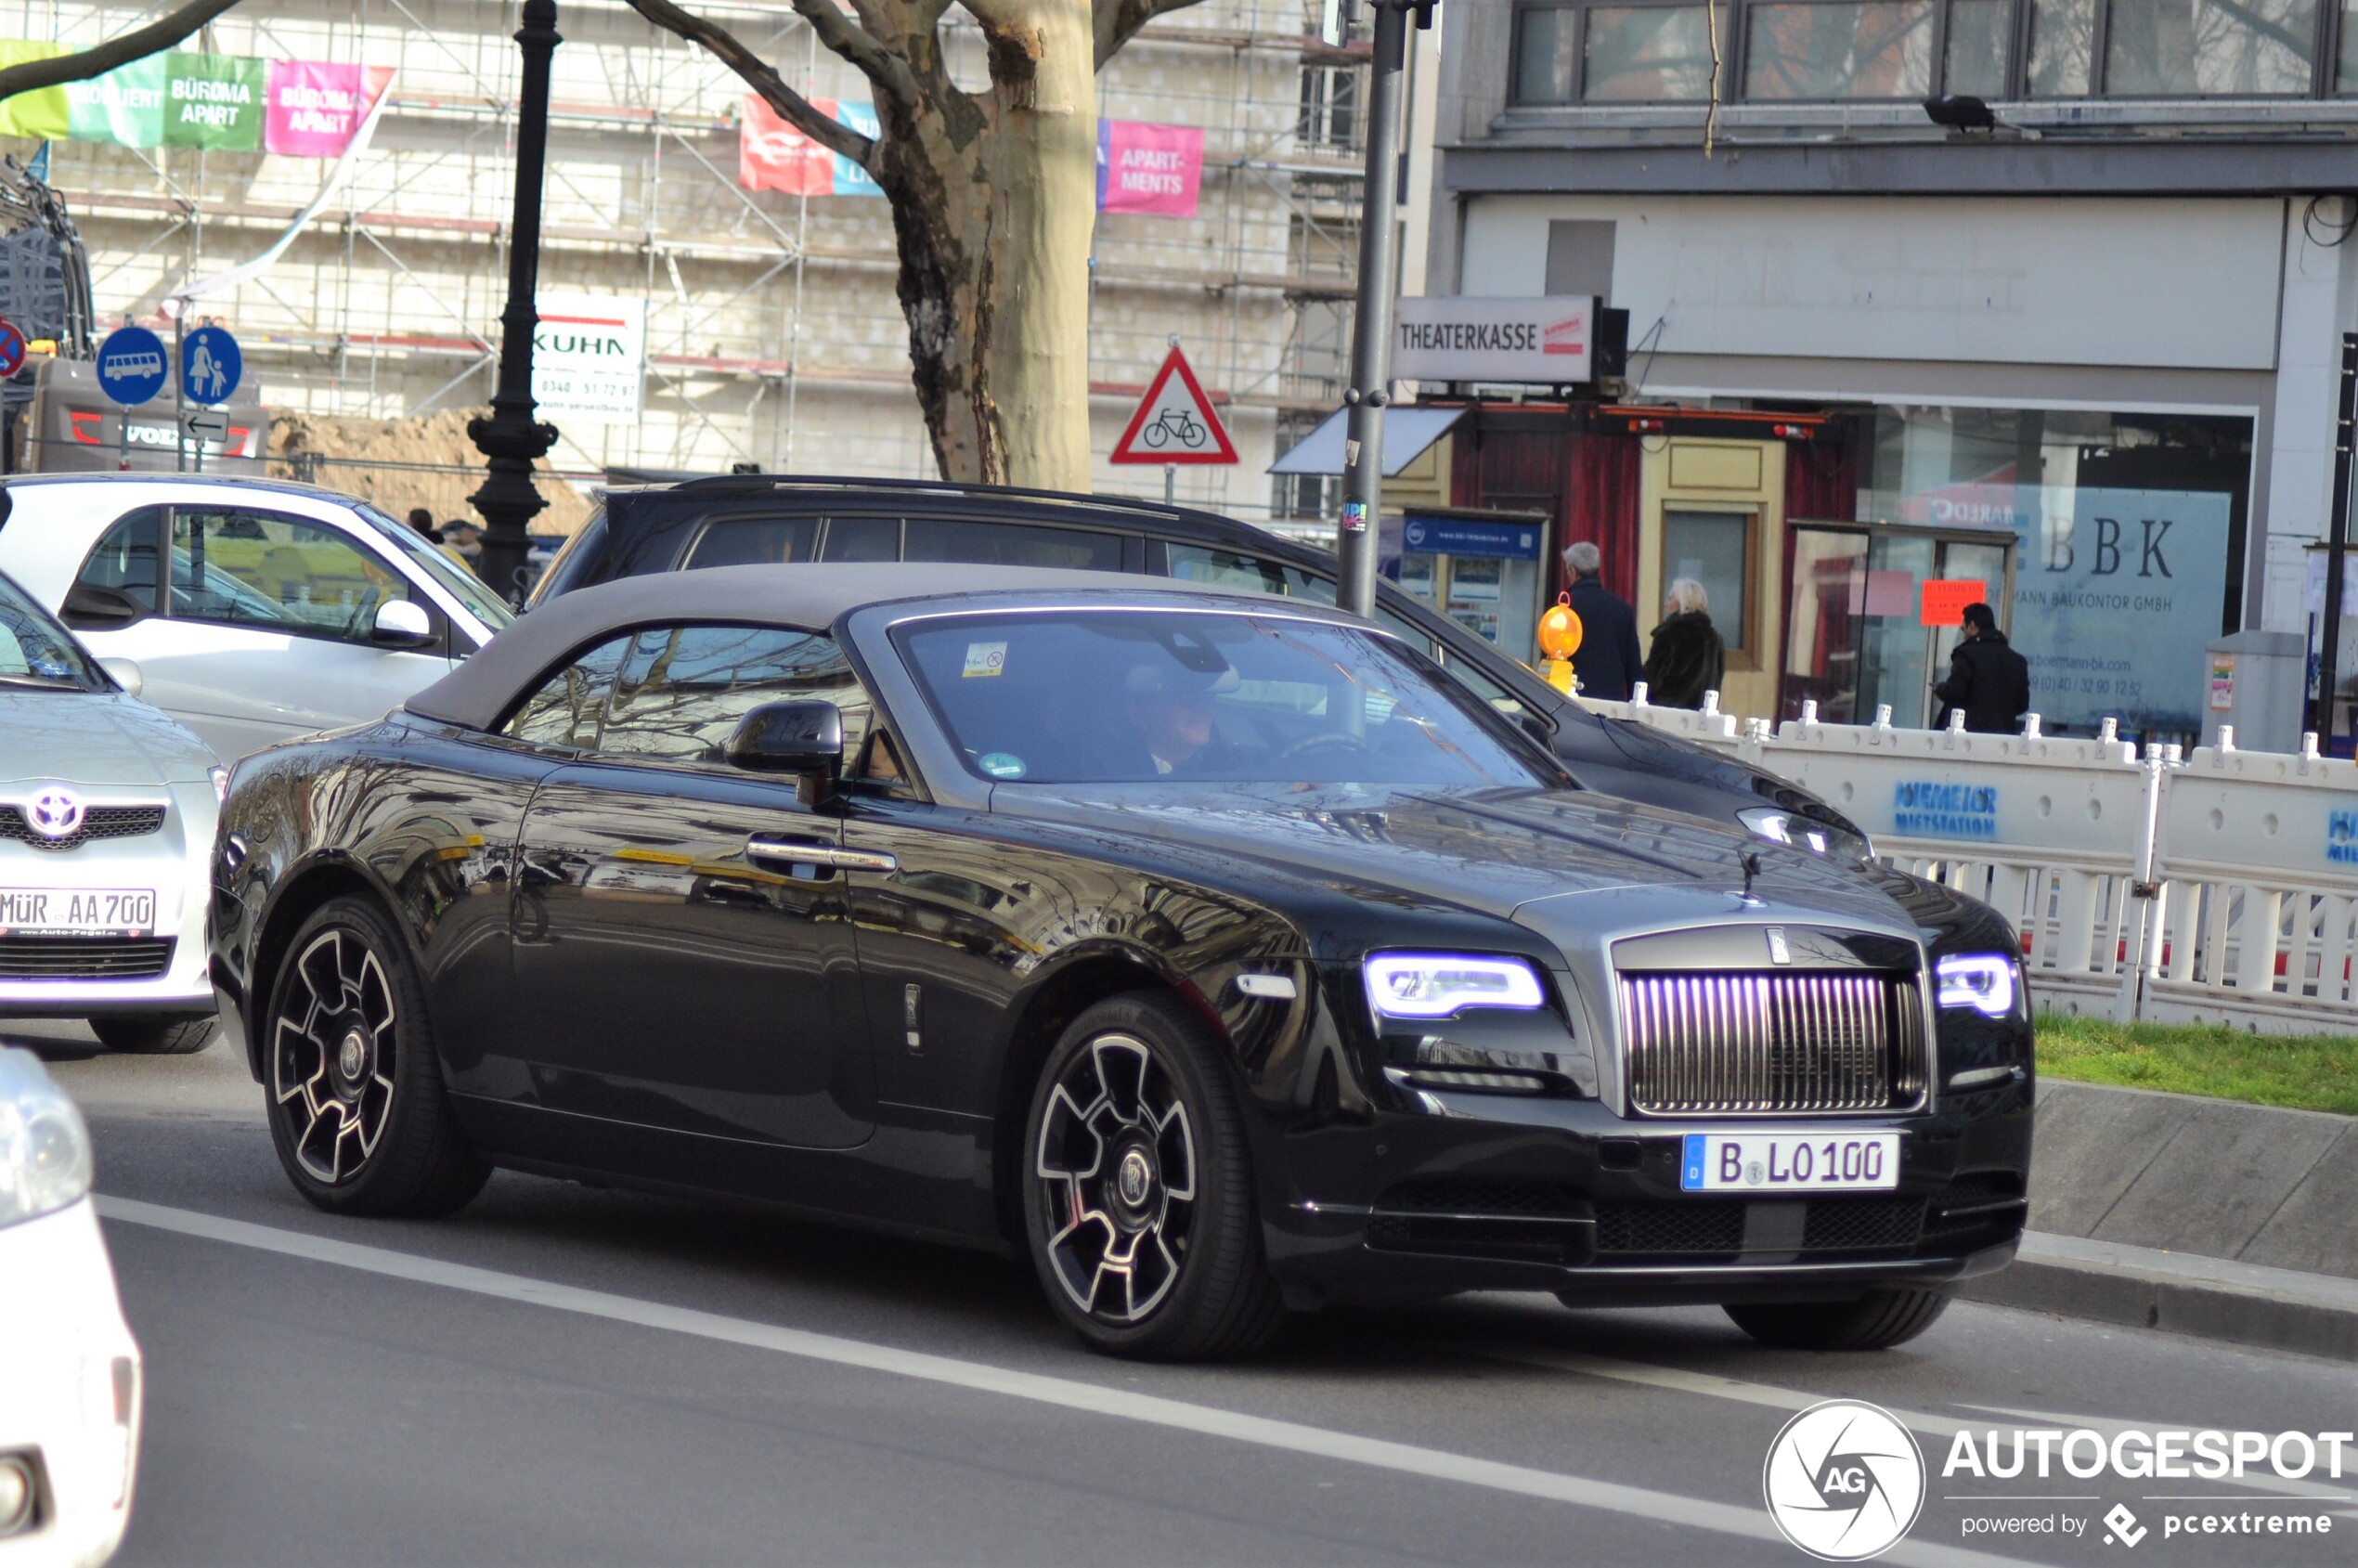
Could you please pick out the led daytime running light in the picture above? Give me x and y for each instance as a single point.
(1430, 984)
(1983, 981)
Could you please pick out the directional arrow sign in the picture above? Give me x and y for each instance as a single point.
(208, 424)
(1175, 422)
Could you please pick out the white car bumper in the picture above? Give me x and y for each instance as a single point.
(69, 1390)
(58, 978)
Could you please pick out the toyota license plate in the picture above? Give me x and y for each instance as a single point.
(77, 911)
(1789, 1163)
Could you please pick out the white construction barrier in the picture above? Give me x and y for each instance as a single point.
(2222, 887)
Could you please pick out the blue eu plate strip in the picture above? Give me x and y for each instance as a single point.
(1690, 1162)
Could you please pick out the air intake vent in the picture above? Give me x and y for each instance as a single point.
(1776, 1043)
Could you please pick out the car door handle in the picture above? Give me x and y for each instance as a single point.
(802, 851)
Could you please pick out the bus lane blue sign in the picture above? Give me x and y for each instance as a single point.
(131, 365)
(1936, 808)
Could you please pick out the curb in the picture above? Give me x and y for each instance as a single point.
(2179, 1293)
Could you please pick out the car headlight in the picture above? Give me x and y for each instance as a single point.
(1776, 823)
(1436, 985)
(1983, 981)
(220, 785)
(45, 1148)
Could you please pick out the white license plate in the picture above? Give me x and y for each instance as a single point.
(77, 911)
(1789, 1163)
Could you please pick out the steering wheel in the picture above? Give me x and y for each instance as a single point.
(1323, 740)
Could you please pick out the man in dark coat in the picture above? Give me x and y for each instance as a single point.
(1607, 660)
(1987, 680)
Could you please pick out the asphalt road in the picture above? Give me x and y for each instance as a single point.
(574, 1376)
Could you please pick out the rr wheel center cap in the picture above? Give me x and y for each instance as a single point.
(1133, 1178)
(352, 1058)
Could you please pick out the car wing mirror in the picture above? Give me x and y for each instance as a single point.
(91, 608)
(125, 674)
(401, 623)
(802, 738)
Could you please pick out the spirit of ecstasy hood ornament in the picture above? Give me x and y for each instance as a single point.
(1750, 860)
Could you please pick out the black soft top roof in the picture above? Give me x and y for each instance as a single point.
(812, 598)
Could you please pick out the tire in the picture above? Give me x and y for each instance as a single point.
(1877, 1320)
(153, 1034)
(356, 1135)
(1137, 1189)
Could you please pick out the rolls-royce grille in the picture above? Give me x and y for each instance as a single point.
(97, 822)
(1706, 1043)
(84, 958)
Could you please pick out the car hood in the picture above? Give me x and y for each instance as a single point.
(95, 738)
(1504, 852)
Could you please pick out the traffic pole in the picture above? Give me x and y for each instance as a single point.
(1356, 538)
(179, 392)
(2338, 545)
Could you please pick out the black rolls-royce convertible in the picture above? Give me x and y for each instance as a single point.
(1217, 952)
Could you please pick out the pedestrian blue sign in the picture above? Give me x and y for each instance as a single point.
(211, 366)
(131, 365)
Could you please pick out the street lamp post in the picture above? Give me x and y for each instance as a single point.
(510, 439)
(1371, 388)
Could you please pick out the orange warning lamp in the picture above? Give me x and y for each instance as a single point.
(1560, 639)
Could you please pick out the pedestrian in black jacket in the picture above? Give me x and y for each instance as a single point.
(1987, 680)
(1607, 660)
(1688, 656)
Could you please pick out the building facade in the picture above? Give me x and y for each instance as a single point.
(2083, 346)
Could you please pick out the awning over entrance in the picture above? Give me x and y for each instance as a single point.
(1407, 433)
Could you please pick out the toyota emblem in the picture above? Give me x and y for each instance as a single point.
(56, 812)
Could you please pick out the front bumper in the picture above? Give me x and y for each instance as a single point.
(1529, 1193)
(69, 1390)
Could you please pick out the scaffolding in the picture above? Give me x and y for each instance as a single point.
(775, 335)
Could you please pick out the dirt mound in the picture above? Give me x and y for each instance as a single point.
(402, 463)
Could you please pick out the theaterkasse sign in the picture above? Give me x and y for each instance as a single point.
(1544, 342)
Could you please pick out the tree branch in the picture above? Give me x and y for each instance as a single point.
(1117, 21)
(757, 72)
(31, 76)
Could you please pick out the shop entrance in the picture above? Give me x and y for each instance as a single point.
(1856, 637)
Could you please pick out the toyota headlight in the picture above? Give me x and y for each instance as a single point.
(45, 1148)
(1436, 985)
(1779, 825)
(1983, 981)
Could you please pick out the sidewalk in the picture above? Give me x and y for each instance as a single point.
(2180, 1293)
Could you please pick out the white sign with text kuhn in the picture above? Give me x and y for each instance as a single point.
(590, 358)
(1548, 342)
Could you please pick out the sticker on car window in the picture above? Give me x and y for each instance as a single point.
(986, 658)
(1002, 764)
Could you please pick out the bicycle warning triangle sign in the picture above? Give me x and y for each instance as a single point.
(1175, 422)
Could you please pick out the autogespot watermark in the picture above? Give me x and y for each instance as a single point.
(1845, 1481)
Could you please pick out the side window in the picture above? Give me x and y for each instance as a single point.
(863, 539)
(682, 690)
(1012, 544)
(570, 707)
(118, 583)
(754, 541)
(1246, 574)
(281, 574)
(1469, 674)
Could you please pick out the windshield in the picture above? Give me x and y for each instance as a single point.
(462, 584)
(36, 651)
(1142, 696)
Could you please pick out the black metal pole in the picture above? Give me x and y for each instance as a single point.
(1370, 389)
(512, 440)
(2338, 541)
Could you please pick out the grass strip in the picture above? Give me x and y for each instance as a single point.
(2305, 1073)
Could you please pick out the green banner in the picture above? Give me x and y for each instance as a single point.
(212, 100)
(124, 107)
(40, 113)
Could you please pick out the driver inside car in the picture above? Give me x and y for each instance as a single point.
(1170, 711)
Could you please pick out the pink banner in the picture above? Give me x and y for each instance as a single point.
(772, 155)
(1156, 169)
(312, 108)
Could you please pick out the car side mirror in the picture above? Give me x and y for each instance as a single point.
(401, 623)
(802, 738)
(91, 608)
(125, 674)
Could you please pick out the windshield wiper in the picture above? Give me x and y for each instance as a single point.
(43, 683)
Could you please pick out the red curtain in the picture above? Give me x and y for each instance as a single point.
(1821, 481)
(1602, 507)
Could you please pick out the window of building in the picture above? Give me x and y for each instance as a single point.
(1716, 550)
(1839, 49)
(2199, 48)
(1612, 53)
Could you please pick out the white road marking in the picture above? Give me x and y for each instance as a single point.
(1433, 1464)
(1710, 1385)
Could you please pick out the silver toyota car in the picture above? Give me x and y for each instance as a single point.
(107, 813)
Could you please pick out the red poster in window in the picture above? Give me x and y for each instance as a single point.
(1946, 598)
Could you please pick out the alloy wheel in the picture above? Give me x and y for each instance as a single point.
(1116, 1173)
(332, 1055)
